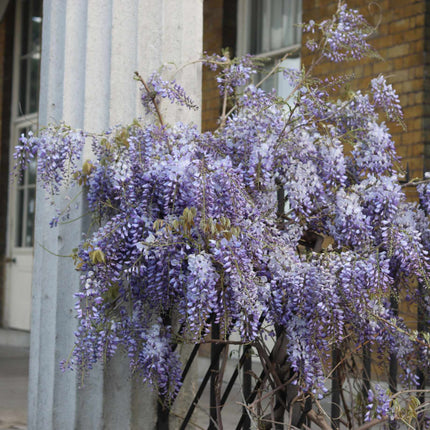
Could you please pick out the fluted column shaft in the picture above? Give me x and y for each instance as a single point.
(90, 50)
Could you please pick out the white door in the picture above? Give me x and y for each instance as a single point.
(22, 198)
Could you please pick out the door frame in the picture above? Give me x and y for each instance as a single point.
(17, 258)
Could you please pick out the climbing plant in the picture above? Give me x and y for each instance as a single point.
(289, 221)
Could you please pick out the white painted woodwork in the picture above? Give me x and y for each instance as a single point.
(19, 250)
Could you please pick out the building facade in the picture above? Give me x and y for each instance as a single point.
(82, 65)
(400, 39)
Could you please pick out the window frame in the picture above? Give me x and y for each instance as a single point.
(285, 54)
(244, 26)
(19, 121)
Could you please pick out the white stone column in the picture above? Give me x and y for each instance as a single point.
(91, 48)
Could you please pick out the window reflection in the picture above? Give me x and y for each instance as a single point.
(31, 32)
(274, 25)
(274, 33)
(28, 101)
(25, 205)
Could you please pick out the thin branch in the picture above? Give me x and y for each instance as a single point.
(372, 423)
(224, 108)
(148, 90)
(345, 407)
(276, 67)
(414, 182)
(218, 386)
(225, 341)
(319, 420)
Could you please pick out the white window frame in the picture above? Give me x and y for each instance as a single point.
(244, 29)
(18, 273)
(19, 121)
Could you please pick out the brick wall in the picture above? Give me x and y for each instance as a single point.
(212, 43)
(401, 41)
(219, 31)
(426, 95)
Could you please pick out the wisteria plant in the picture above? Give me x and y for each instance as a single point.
(288, 222)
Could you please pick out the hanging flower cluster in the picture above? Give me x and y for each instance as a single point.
(343, 37)
(195, 228)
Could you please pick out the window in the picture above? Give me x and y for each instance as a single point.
(269, 29)
(29, 56)
(25, 106)
(22, 194)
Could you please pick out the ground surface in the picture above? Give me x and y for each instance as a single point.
(13, 387)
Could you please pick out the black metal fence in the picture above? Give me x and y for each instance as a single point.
(275, 380)
(282, 413)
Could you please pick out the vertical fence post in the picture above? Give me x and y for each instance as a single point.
(246, 389)
(162, 416)
(366, 373)
(335, 390)
(392, 376)
(163, 411)
(213, 405)
(422, 326)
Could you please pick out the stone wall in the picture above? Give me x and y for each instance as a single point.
(90, 51)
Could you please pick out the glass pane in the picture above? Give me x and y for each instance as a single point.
(31, 203)
(34, 85)
(23, 177)
(32, 173)
(284, 89)
(278, 30)
(274, 25)
(277, 80)
(264, 28)
(36, 27)
(30, 56)
(25, 13)
(22, 104)
(269, 83)
(25, 207)
(255, 32)
(20, 218)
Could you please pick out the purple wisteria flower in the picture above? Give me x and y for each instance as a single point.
(191, 228)
(424, 195)
(57, 151)
(234, 73)
(344, 36)
(386, 98)
(378, 403)
(171, 90)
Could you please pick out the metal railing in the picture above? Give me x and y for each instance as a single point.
(276, 377)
